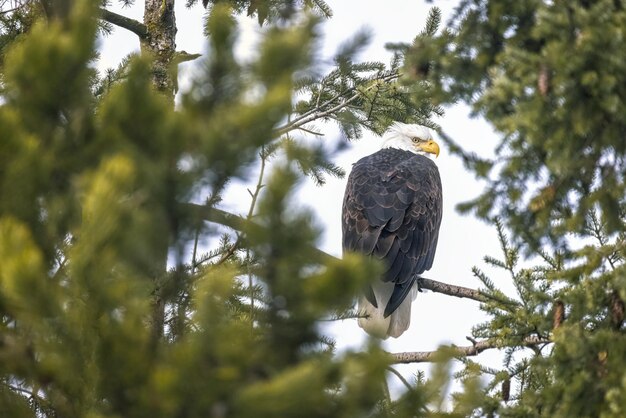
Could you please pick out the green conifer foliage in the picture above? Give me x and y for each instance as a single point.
(550, 78)
(108, 308)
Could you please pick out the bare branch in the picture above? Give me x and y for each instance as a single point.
(4, 12)
(127, 23)
(184, 56)
(13, 6)
(255, 196)
(468, 351)
(400, 377)
(452, 290)
(31, 395)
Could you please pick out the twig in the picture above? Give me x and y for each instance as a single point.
(127, 23)
(184, 56)
(4, 12)
(369, 114)
(255, 196)
(60, 268)
(468, 351)
(310, 131)
(343, 316)
(400, 377)
(31, 394)
(195, 250)
(259, 184)
(229, 252)
(199, 262)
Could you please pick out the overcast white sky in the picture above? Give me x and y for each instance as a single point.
(463, 242)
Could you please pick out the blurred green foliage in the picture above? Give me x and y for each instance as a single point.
(108, 308)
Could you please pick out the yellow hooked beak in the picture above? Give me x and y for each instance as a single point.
(431, 147)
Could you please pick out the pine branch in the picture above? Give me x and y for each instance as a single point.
(323, 7)
(461, 352)
(317, 113)
(351, 314)
(237, 222)
(127, 23)
(433, 22)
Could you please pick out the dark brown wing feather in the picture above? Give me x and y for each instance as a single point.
(392, 210)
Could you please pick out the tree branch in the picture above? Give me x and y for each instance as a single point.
(127, 23)
(316, 113)
(451, 290)
(4, 12)
(468, 351)
(211, 214)
(184, 56)
(400, 377)
(236, 222)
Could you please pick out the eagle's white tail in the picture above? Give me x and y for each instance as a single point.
(373, 320)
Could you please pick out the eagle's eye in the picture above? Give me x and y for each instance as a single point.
(415, 139)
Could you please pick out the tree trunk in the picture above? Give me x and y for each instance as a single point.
(160, 42)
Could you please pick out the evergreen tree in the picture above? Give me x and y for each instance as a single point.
(550, 77)
(108, 308)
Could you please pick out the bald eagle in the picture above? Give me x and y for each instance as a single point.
(392, 211)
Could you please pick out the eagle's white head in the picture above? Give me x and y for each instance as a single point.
(415, 138)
